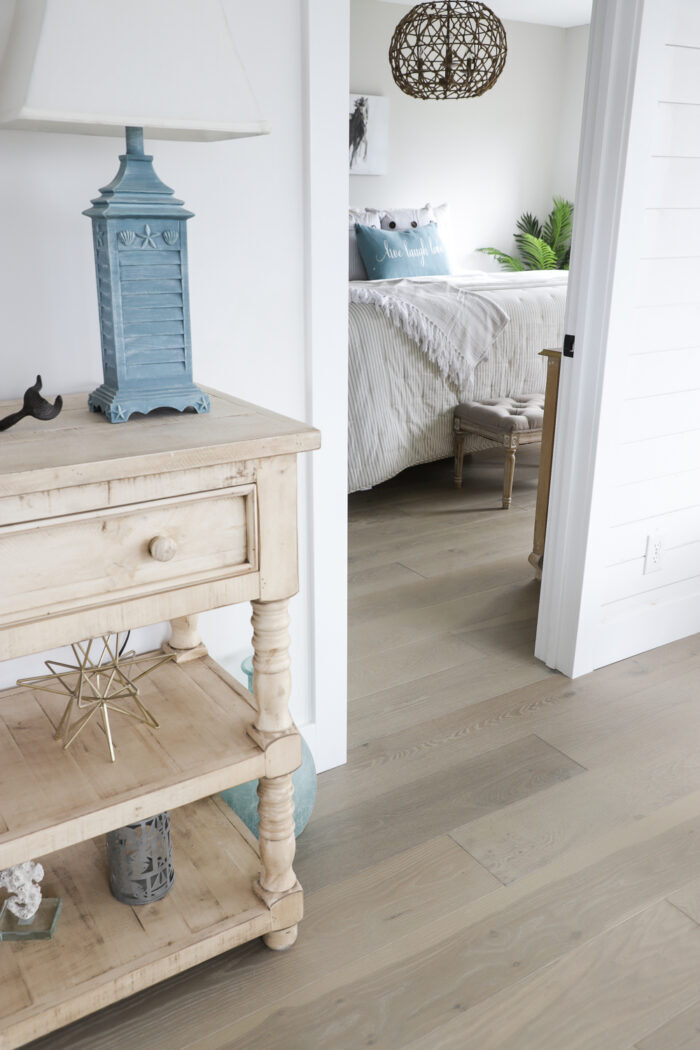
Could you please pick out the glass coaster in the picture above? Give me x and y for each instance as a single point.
(40, 928)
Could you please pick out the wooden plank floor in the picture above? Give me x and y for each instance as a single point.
(509, 861)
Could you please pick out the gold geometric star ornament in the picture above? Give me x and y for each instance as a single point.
(102, 679)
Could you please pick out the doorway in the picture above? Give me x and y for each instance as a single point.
(490, 159)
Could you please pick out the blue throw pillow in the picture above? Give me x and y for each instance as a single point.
(416, 252)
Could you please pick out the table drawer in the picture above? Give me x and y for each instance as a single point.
(59, 564)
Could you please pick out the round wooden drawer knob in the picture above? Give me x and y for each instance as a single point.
(162, 548)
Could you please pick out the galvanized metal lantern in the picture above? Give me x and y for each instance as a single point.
(140, 859)
(140, 241)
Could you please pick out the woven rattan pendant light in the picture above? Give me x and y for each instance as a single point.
(448, 49)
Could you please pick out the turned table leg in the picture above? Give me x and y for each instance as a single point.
(185, 641)
(551, 396)
(271, 688)
(460, 439)
(509, 472)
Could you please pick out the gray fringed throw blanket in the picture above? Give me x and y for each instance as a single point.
(454, 326)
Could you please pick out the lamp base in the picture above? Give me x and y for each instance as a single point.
(118, 405)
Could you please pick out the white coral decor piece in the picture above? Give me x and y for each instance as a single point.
(21, 882)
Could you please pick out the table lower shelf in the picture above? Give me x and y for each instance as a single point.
(103, 951)
(51, 798)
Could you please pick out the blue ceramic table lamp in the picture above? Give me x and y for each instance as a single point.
(140, 239)
(170, 69)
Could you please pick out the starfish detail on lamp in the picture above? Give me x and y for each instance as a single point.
(140, 242)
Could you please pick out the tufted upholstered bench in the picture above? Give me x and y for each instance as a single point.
(507, 421)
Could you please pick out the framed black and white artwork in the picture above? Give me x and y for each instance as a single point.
(369, 134)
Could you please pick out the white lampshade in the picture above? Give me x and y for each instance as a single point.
(94, 66)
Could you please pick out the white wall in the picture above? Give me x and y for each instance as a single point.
(491, 157)
(252, 296)
(631, 397)
(568, 129)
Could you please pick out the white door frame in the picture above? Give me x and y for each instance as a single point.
(610, 147)
(611, 97)
(326, 66)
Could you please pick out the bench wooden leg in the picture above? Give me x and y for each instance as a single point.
(509, 471)
(459, 458)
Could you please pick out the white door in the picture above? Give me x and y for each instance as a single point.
(622, 561)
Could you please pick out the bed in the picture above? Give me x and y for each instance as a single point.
(400, 403)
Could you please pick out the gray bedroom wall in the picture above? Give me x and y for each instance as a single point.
(492, 157)
(571, 111)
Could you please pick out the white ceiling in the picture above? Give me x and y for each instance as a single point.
(563, 13)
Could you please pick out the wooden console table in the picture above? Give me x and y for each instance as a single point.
(108, 527)
(551, 397)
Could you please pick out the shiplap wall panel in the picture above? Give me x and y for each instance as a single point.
(657, 415)
(667, 327)
(645, 459)
(668, 234)
(671, 493)
(674, 182)
(682, 563)
(662, 281)
(628, 542)
(659, 370)
(680, 65)
(683, 24)
(676, 130)
(667, 599)
(651, 619)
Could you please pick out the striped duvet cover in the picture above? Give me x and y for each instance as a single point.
(400, 407)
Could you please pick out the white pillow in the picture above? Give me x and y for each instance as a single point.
(365, 217)
(403, 218)
(441, 214)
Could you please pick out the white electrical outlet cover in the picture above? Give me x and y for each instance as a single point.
(654, 552)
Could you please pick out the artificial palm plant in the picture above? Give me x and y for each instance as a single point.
(541, 246)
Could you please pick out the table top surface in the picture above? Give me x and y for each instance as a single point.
(80, 446)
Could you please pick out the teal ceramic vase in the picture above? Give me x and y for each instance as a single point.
(243, 799)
